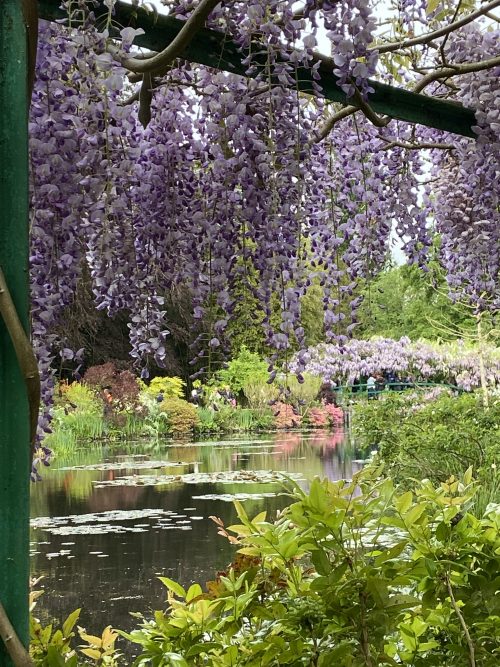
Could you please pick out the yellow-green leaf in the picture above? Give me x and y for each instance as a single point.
(432, 5)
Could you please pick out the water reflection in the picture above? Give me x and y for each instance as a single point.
(108, 564)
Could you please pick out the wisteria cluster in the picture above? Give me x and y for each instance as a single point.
(228, 191)
(464, 195)
(449, 363)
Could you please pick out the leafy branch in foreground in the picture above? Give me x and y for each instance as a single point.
(352, 573)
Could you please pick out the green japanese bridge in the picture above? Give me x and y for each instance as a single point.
(208, 48)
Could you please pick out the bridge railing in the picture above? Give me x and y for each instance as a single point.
(362, 388)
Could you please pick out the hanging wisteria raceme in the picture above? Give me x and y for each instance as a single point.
(227, 191)
(60, 122)
(465, 199)
(356, 360)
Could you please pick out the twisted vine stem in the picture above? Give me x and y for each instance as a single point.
(25, 355)
(472, 658)
(18, 654)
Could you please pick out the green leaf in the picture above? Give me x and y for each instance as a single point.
(414, 514)
(390, 554)
(321, 562)
(403, 503)
(443, 532)
(319, 584)
(432, 5)
(205, 647)
(175, 660)
(377, 587)
(69, 623)
(194, 591)
(240, 511)
(173, 586)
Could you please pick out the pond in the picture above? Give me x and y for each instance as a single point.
(110, 520)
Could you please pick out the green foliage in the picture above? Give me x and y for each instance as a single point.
(206, 419)
(434, 438)
(79, 397)
(77, 416)
(101, 650)
(312, 315)
(351, 574)
(246, 367)
(405, 301)
(182, 417)
(51, 647)
(170, 387)
(305, 393)
(259, 393)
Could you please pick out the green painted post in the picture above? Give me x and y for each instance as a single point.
(14, 416)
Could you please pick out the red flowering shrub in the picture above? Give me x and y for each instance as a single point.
(326, 415)
(318, 417)
(101, 376)
(285, 417)
(123, 386)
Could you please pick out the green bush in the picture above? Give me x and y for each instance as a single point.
(77, 415)
(303, 394)
(170, 387)
(182, 417)
(246, 367)
(260, 394)
(206, 420)
(351, 574)
(419, 438)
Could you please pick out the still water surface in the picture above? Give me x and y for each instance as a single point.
(110, 520)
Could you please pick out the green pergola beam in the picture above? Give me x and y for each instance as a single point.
(216, 50)
(14, 417)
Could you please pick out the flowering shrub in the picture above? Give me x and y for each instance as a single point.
(347, 363)
(285, 416)
(123, 385)
(325, 415)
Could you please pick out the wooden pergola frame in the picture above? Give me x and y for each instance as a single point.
(209, 48)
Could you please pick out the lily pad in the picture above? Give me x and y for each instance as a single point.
(226, 477)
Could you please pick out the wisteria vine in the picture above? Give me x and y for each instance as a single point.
(228, 189)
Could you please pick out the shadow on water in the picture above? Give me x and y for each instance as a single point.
(109, 521)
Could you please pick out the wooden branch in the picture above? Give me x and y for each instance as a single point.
(25, 356)
(374, 118)
(145, 98)
(165, 58)
(472, 658)
(430, 36)
(360, 105)
(414, 146)
(456, 70)
(330, 122)
(18, 654)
